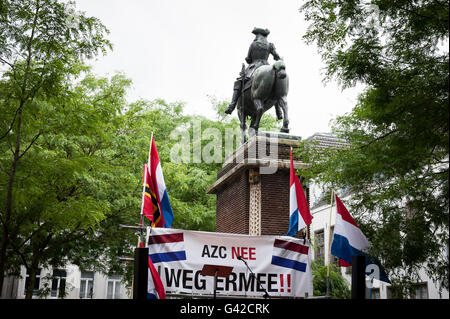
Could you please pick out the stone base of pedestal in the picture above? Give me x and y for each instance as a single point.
(252, 187)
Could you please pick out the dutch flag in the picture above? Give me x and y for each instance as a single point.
(299, 215)
(291, 255)
(166, 248)
(349, 240)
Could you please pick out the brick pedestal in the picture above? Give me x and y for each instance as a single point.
(252, 187)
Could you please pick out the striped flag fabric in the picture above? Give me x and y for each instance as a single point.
(291, 255)
(164, 216)
(299, 214)
(349, 241)
(155, 287)
(166, 248)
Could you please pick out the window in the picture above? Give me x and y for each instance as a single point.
(393, 293)
(319, 252)
(87, 285)
(334, 259)
(420, 291)
(58, 283)
(320, 249)
(113, 287)
(37, 282)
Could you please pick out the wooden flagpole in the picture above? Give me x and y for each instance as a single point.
(329, 245)
(145, 182)
(143, 199)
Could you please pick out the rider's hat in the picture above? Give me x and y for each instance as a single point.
(264, 32)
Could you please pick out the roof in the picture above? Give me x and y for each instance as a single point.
(327, 140)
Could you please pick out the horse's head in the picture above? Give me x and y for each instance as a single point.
(280, 69)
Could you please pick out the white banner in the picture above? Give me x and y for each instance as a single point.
(281, 264)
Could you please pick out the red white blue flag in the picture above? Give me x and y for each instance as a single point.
(291, 255)
(155, 287)
(349, 240)
(163, 216)
(166, 248)
(299, 214)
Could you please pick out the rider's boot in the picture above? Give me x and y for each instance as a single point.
(234, 99)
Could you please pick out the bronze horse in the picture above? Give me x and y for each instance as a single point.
(269, 86)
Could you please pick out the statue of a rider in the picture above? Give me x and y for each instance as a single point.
(258, 53)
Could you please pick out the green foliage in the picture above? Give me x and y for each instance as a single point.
(339, 287)
(46, 160)
(397, 164)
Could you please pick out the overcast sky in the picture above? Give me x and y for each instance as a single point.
(182, 50)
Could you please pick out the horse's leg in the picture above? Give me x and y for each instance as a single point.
(258, 114)
(252, 130)
(282, 102)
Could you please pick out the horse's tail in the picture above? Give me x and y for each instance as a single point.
(281, 85)
(280, 69)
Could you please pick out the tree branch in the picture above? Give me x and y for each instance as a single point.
(11, 125)
(377, 139)
(67, 238)
(32, 234)
(6, 62)
(31, 143)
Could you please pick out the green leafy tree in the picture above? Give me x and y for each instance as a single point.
(72, 179)
(41, 44)
(397, 163)
(339, 287)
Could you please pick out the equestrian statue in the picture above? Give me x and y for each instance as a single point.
(260, 86)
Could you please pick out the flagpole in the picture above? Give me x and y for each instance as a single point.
(141, 217)
(143, 186)
(141, 222)
(143, 195)
(329, 245)
(150, 150)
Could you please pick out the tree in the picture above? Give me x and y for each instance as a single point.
(41, 44)
(397, 163)
(71, 179)
(339, 287)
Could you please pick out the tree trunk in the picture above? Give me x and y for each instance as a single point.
(16, 158)
(9, 198)
(32, 271)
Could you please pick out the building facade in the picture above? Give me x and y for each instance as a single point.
(69, 283)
